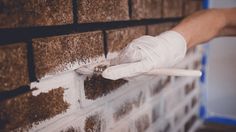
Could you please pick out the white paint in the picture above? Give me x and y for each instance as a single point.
(73, 65)
(79, 110)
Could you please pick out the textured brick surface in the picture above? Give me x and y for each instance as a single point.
(24, 110)
(53, 53)
(13, 66)
(142, 9)
(156, 29)
(172, 8)
(97, 86)
(191, 6)
(93, 123)
(120, 38)
(102, 10)
(24, 13)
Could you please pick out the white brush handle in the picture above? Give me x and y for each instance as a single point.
(175, 72)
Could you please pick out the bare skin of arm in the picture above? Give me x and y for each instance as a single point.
(207, 24)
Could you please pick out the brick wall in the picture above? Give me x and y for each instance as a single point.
(42, 43)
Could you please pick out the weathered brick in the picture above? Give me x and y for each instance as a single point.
(142, 9)
(156, 29)
(14, 67)
(53, 54)
(93, 123)
(191, 6)
(97, 86)
(25, 110)
(24, 13)
(119, 38)
(142, 123)
(172, 8)
(102, 10)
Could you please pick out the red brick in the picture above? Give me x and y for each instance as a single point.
(14, 68)
(142, 9)
(52, 54)
(119, 38)
(24, 13)
(102, 10)
(191, 6)
(156, 29)
(97, 86)
(24, 110)
(172, 8)
(93, 123)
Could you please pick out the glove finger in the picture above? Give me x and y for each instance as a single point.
(128, 55)
(126, 70)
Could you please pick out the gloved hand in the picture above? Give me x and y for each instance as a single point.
(146, 53)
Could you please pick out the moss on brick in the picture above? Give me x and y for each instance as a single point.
(24, 110)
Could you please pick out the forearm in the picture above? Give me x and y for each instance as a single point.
(204, 25)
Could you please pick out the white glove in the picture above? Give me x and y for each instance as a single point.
(146, 53)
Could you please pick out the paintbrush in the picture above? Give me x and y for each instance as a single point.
(98, 69)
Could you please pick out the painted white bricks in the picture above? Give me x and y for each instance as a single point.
(123, 108)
